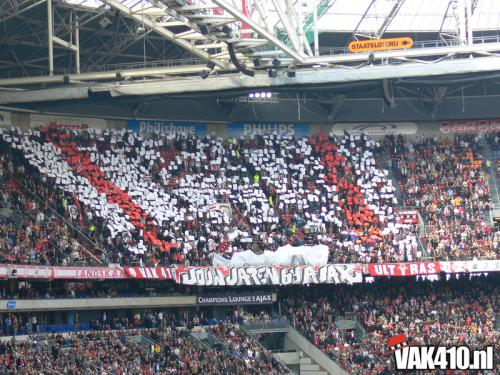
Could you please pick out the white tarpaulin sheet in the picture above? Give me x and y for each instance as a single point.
(286, 255)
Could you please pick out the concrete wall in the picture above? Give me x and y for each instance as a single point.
(291, 358)
(294, 340)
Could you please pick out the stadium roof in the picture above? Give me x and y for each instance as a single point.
(345, 15)
(159, 48)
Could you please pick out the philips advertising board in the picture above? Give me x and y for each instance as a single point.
(238, 129)
(168, 127)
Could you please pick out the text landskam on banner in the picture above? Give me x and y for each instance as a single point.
(21, 271)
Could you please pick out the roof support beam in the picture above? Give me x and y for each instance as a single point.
(19, 12)
(354, 33)
(286, 24)
(167, 34)
(263, 15)
(440, 32)
(105, 76)
(50, 35)
(258, 29)
(394, 11)
(64, 43)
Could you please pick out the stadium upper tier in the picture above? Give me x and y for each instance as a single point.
(124, 197)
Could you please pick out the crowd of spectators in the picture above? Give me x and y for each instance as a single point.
(446, 179)
(195, 196)
(32, 231)
(459, 311)
(79, 353)
(442, 313)
(159, 348)
(167, 199)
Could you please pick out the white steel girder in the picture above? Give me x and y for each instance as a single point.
(441, 54)
(167, 34)
(227, 82)
(260, 29)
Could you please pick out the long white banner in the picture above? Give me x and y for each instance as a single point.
(258, 275)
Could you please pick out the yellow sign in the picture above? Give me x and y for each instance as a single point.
(380, 44)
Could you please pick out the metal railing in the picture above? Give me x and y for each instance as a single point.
(198, 341)
(276, 325)
(325, 51)
(421, 44)
(140, 65)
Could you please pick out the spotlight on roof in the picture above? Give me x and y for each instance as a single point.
(211, 65)
(227, 30)
(66, 80)
(119, 76)
(276, 62)
(371, 58)
(273, 73)
(105, 22)
(256, 62)
(204, 30)
(204, 74)
(259, 97)
(290, 73)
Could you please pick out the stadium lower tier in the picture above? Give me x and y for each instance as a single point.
(93, 197)
(351, 324)
(137, 352)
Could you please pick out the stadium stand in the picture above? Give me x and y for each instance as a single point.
(446, 180)
(249, 187)
(162, 350)
(461, 310)
(336, 195)
(447, 313)
(36, 231)
(158, 199)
